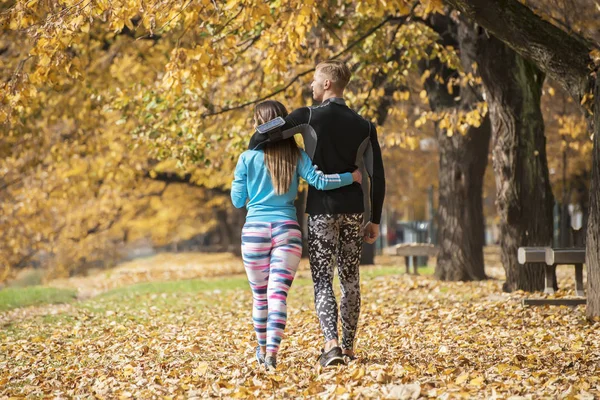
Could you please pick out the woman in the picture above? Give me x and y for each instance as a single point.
(271, 237)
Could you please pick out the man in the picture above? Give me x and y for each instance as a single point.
(337, 140)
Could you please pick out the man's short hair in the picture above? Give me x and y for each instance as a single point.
(337, 71)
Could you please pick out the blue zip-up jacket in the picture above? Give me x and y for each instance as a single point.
(252, 182)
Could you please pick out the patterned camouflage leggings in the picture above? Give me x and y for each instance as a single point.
(338, 236)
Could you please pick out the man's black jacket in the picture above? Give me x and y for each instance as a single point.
(337, 140)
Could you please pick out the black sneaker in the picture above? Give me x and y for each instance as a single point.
(331, 357)
(270, 363)
(259, 357)
(348, 358)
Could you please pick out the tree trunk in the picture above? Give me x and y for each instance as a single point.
(582, 198)
(238, 218)
(463, 160)
(592, 256)
(367, 257)
(300, 204)
(225, 236)
(524, 196)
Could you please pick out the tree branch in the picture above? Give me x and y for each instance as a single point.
(565, 58)
(97, 228)
(300, 75)
(171, 177)
(330, 29)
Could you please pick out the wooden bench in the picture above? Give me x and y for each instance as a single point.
(551, 258)
(412, 250)
(526, 255)
(575, 256)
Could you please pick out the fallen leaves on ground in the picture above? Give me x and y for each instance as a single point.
(419, 338)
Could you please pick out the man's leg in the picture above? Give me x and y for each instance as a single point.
(322, 245)
(349, 252)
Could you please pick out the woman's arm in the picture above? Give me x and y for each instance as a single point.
(239, 192)
(296, 122)
(318, 179)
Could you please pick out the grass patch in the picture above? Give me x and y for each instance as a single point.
(428, 270)
(186, 286)
(234, 282)
(183, 286)
(34, 295)
(13, 297)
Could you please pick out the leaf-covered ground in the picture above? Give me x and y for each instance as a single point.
(419, 338)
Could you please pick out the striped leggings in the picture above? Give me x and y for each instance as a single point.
(271, 254)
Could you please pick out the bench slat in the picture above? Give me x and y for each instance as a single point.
(531, 254)
(409, 249)
(553, 302)
(565, 256)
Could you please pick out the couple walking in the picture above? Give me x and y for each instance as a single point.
(337, 141)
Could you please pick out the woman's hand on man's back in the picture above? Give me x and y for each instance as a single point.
(357, 176)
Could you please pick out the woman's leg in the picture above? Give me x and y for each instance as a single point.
(256, 253)
(285, 257)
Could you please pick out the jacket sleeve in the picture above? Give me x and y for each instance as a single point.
(374, 167)
(239, 191)
(318, 179)
(296, 122)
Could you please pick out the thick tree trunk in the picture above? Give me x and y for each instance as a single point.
(592, 256)
(524, 196)
(463, 160)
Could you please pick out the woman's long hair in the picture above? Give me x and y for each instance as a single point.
(281, 157)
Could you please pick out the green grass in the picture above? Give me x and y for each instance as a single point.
(231, 283)
(428, 270)
(186, 286)
(34, 295)
(183, 286)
